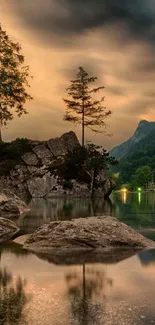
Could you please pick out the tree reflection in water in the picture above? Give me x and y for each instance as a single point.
(87, 295)
(12, 299)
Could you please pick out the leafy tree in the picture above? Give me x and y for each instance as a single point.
(143, 175)
(13, 80)
(84, 161)
(82, 108)
(98, 160)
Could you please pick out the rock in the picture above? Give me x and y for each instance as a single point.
(41, 186)
(71, 140)
(7, 230)
(42, 151)
(11, 205)
(105, 188)
(30, 158)
(95, 234)
(39, 172)
(57, 147)
(61, 146)
(21, 239)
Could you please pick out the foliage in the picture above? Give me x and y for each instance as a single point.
(13, 79)
(98, 158)
(82, 160)
(143, 154)
(82, 108)
(10, 153)
(68, 185)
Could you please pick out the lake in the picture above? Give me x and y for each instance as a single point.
(37, 292)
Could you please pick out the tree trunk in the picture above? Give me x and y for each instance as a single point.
(92, 182)
(83, 117)
(0, 133)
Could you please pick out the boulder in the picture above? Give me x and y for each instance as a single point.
(41, 186)
(71, 140)
(61, 146)
(93, 234)
(57, 147)
(42, 151)
(7, 230)
(11, 205)
(30, 158)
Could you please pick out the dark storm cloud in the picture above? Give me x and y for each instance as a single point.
(94, 66)
(69, 17)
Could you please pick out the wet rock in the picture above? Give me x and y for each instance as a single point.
(11, 205)
(7, 230)
(95, 234)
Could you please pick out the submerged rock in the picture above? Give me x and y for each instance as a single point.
(94, 234)
(7, 230)
(11, 205)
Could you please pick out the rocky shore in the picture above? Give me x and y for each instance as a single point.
(35, 173)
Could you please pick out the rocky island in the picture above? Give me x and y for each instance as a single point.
(33, 168)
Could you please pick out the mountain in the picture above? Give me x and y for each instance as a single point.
(143, 130)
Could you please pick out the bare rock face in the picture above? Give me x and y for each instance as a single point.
(95, 234)
(30, 158)
(7, 230)
(42, 151)
(38, 172)
(10, 205)
(57, 147)
(41, 186)
(71, 140)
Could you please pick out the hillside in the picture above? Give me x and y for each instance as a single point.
(143, 130)
(139, 160)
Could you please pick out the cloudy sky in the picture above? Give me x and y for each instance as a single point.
(112, 39)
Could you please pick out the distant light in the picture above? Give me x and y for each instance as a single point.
(139, 189)
(124, 190)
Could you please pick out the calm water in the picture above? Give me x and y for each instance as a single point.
(137, 210)
(34, 291)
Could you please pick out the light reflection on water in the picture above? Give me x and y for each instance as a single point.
(137, 210)
(90, 294)
(36, 292)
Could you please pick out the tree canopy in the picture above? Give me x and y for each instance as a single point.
(82, 108)
(13, 79)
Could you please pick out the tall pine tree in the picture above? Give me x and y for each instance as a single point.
(82, 108)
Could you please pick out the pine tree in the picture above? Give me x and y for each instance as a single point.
(82, 108)
(13, 80)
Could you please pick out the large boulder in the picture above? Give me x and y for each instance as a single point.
(93, 234)
(11, 205)
(41, 186)
(7, 230)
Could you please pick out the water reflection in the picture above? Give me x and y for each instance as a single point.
(137, 210)
(12, 299)
(43, 211)
(147, 257)
(87, 294)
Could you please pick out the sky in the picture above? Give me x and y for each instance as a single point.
(113, 40)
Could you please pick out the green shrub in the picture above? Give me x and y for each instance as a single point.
(68, 185)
